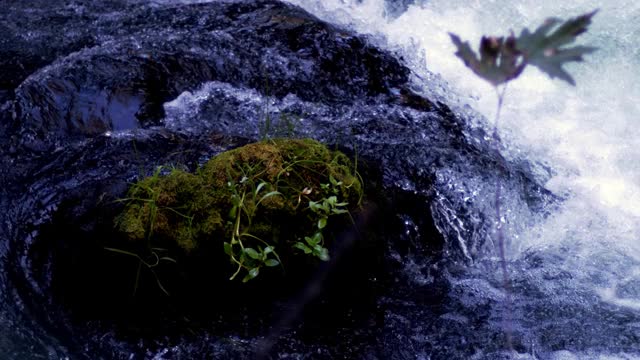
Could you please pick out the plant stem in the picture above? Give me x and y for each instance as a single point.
(496, 122)
(499, 230)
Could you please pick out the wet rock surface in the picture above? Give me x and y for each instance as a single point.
(97, 94)
(119, 80)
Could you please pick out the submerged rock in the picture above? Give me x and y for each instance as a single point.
(108, 91)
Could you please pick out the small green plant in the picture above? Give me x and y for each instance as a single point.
(244, 208)
(249, 200)
(151, 257)
(504, 59)
(322, 210)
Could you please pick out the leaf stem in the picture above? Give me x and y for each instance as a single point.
(500, 95)
(499, 231)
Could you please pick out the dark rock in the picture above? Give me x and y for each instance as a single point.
(122, 80)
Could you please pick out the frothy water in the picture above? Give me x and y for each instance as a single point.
(587, 135)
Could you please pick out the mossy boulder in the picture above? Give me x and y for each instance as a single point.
(259, 203)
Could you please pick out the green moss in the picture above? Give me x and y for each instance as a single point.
(252, 202)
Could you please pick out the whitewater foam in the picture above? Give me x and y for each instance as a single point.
(588, 135)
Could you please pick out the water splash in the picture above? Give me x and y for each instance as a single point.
(587, 134)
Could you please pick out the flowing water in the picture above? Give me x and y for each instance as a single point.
(573, 258)
(587, 135)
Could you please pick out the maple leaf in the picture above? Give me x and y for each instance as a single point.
(545, 51)
(499, 62)
(502, 60)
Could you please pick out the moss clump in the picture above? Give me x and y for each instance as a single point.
(256, 203)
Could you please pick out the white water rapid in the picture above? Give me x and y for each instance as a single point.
(588, 135)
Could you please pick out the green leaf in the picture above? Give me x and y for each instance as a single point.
(308, 240)
(322, 223)
(227, 249)
(252, 253)
(323, 254)
(314, 240)
(252, 274)
(267, 249)
(302, 247)
(545, 51)
(325, 207)
(233, 211)
(334, 182)
(260, 186)
(338, 211)
(272, 262)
